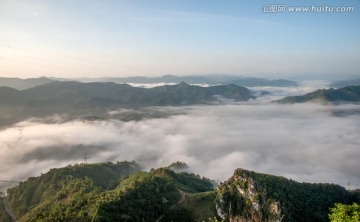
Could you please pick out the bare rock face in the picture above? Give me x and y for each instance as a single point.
(241, 198)
(252, 196)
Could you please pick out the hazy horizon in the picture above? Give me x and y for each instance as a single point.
(300, 78)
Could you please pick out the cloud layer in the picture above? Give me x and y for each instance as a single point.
(303, 142)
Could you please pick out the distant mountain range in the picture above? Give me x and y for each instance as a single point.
(22, 84)
(123, 192)
(253, 82)
(206, 79)
(344, 83)
(78, 94)
(97, 98)
(325, 96)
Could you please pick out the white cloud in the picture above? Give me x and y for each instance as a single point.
(304, 142)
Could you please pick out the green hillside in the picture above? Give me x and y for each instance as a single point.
(62, 187)
(121, 192)
(149, 196)
(326, 96)
(81, 95)
(96, 99)
(101, 192)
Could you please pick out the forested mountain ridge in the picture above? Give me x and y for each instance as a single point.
(97, 99)
(346, 94)
(101, 192)
(121, 192)
(71, 183)
(251, 196)
(77, 94)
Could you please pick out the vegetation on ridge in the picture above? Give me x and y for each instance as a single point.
(345, 94)
(96, 99)
(121, 192)
(248, 195)
(102, 192)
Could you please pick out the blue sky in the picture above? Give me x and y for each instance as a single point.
(86, 38)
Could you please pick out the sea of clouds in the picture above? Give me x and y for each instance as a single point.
(304, 142)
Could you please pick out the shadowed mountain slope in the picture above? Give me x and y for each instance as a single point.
(350, 94)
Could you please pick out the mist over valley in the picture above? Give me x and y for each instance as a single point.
(306, 142)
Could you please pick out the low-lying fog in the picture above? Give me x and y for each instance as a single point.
(305, 142)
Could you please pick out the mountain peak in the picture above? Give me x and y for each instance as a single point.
(326, 96)
(108, 191)
(265, 197)
(169, 76)
(183, 84)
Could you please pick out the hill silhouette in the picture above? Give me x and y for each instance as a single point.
(350, 94)
(97, 98)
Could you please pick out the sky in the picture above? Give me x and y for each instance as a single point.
(88, 38)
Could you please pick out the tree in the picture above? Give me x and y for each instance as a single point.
(345, 213)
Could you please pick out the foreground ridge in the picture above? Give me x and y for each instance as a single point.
(123, 192)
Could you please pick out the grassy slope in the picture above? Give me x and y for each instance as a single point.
(201, 204)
